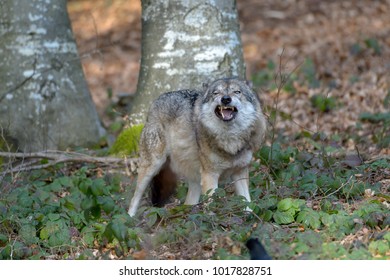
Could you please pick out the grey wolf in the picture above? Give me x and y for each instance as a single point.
(201, 137)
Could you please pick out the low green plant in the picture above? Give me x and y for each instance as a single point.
(74, 215)
(323, 103)
(381, 122)
(265, 77)
(367, 44)
(373, 43)
(287, 210)
(309, 73)
(57, 214)
(272, 78)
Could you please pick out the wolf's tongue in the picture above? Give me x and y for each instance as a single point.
(226, 114)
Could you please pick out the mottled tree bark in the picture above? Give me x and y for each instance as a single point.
(186, 43)
(44, 98)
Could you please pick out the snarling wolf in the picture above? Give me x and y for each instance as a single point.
(201, 137)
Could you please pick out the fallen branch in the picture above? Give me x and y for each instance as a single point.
(378, 157)
(56, 157)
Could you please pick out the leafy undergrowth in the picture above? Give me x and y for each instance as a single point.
(305, 206)
(320, 190)
(313, 196)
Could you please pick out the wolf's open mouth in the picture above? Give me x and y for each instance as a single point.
(226, 113)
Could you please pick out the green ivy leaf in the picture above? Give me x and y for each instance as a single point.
(85, 185)
(28, 234)
(379, 247)
(327, 219)
(42, 195)
(309, 218)
(55, 186)
(284, 217)
(48, 230)
(285, 204)
(69, 203)
(106, 203)
(267, 215)
(59, 238)
(65, 181)
(53, 216)
(92, 213)
(97, 187)
(298, 203)
(133, 234)
(152, 219)
(387, 237)
(25, 200)
(88, 235)
(3, 238)
(117, 230)
(87, 203)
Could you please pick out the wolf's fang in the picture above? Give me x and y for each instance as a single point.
(221, 111)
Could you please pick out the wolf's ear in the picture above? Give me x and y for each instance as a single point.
(249, 83)
(205, 86)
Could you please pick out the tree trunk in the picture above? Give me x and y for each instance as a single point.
(186, 43)
(44, 98)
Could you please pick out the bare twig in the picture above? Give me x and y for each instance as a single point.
(378, 157)
(342, 186)
(280, 80)
(56, 157)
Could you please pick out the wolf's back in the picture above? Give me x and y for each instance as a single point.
(171, 105)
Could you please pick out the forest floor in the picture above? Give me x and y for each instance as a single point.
(341, 47)
(320, 185)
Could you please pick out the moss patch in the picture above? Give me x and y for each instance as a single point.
(127, 141)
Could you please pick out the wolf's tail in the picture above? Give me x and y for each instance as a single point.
(163, 185)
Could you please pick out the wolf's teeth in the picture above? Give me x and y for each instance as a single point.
(223, 116)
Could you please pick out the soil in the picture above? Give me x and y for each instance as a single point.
(347, 41)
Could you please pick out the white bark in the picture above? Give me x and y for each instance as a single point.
(44, 99)
(186, 43)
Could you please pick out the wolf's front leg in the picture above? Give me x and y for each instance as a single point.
(193, 194)
(241, 184)
(209, 181)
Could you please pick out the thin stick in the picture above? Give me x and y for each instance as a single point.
(57, 157)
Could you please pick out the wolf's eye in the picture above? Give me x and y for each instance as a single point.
(237, 92)
(215, 92)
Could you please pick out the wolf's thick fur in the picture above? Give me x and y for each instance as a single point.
(201, 137)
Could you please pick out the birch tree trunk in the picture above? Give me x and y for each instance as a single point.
(44, 98)
(186, 43)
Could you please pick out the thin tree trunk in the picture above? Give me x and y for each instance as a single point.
(44, 98)
(186, 43)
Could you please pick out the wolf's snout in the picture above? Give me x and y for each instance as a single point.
(226, 99)
(226, 111)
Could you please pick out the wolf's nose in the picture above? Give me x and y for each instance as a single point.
(226, 99)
